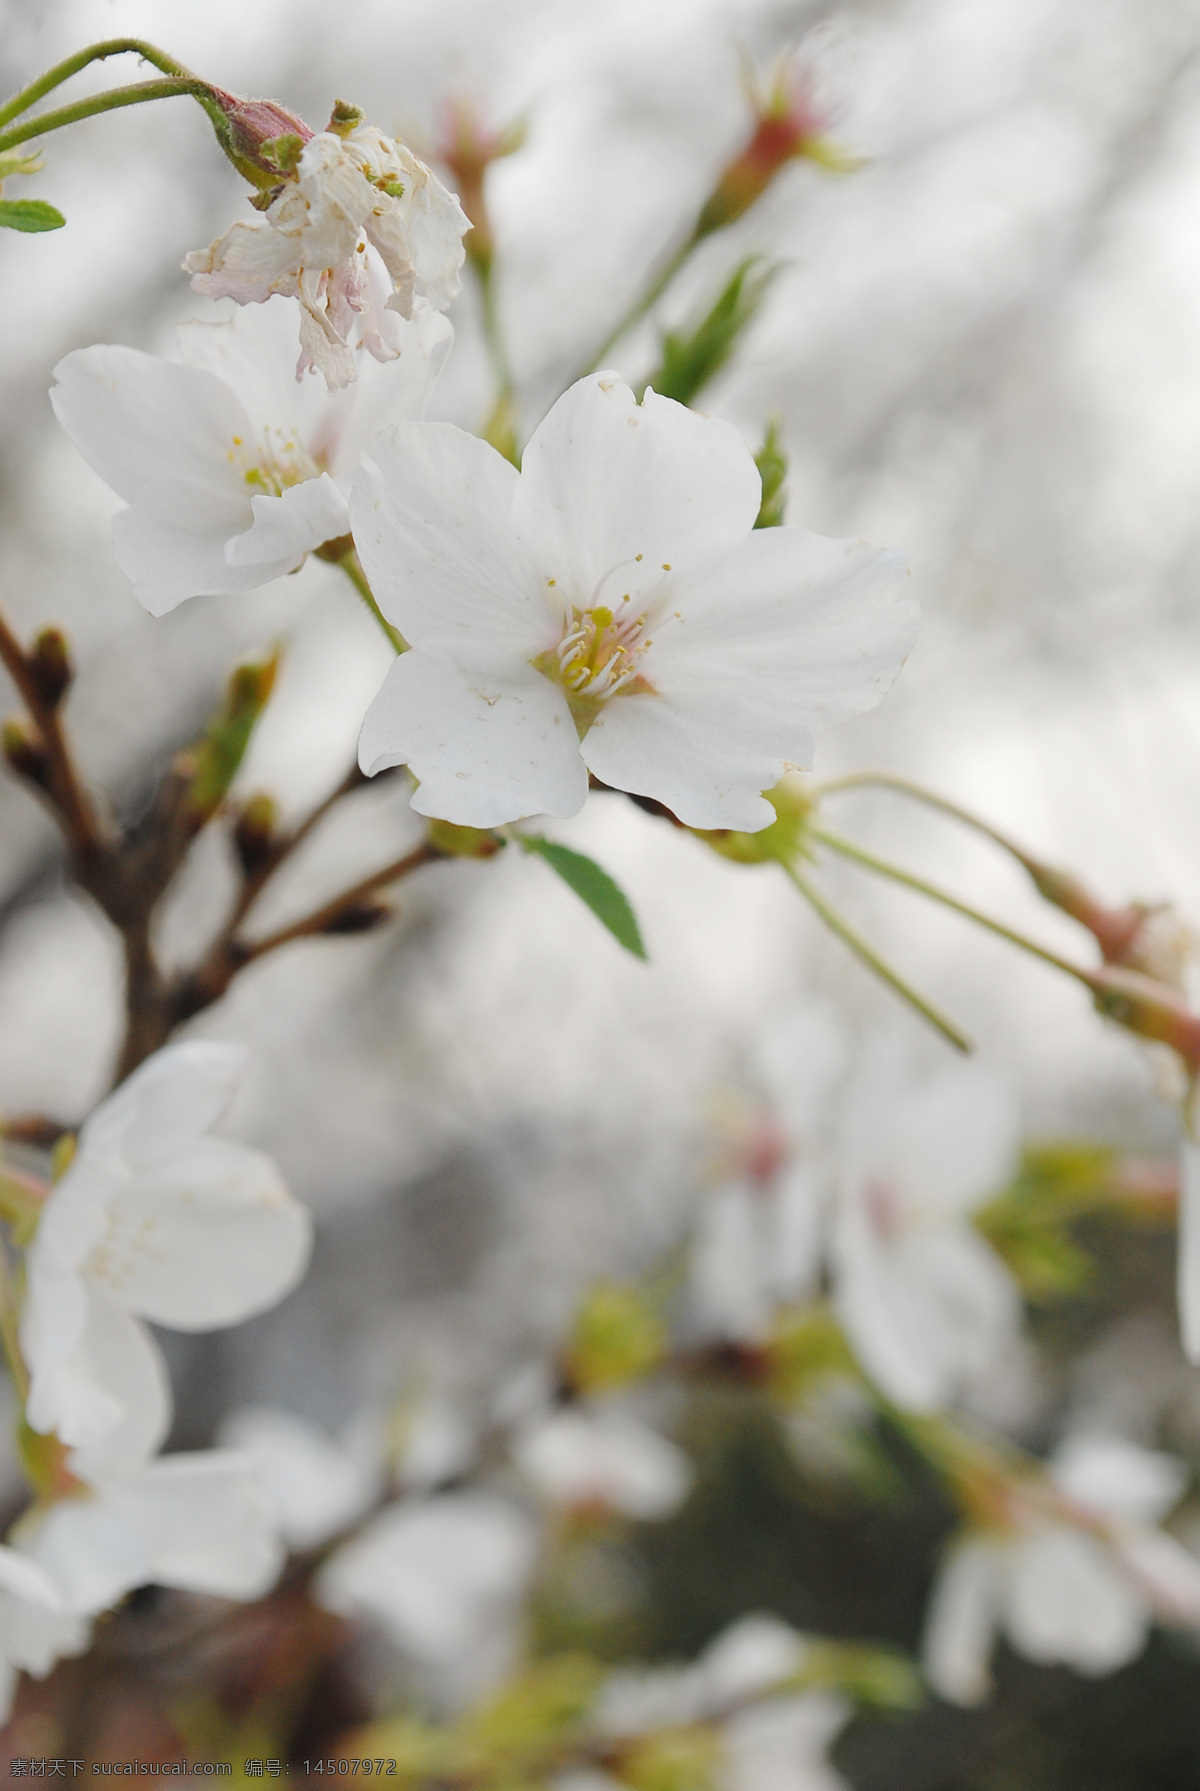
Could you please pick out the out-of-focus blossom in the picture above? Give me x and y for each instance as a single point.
(611, 608)
(1076, 1580)
(231, 472)
(444, 1577)
(925, 1301)
(758, 1242)
(316, 1488)
(36, 1629)
(349, 190)
(782, 1744)
(199, 1522)
(585, 1459)
(754, 1656)
(154, 1219)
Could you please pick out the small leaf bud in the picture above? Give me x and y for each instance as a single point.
(254, 832)
(360, 917)
(25, 753)
(50, 666)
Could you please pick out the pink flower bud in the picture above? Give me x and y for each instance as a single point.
(252, 126)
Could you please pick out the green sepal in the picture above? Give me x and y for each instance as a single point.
(771, 462)
(693, 357)
(223, 746)
(30, 215)
(608, 903)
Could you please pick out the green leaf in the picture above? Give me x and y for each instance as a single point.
(607, 902)
(771, 462)
(691, 358)
(29, 214)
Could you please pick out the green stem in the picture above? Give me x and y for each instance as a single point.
(62, 71)
(858, 945)
(9, 1338)
(650, 296)
(895, 874)
(887, 780)
(110, 101)
(351, 565)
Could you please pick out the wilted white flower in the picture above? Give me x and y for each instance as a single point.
(154, 1219)
(315, 1487)
(924, 1300)
(611, 608)
(759, 1242)
(603, 1458)
(36, 1628)
(444, 1577)
(199, 1522)
(1078, 1581)
(232, 473)
(348, 191)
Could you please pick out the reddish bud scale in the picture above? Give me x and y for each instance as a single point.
(468, 150)
(247, 125)
(778, 138)
(1149, 1009)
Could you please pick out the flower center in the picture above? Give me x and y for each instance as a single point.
(273, 463)
(600, 651)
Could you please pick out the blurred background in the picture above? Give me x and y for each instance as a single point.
(985, 344)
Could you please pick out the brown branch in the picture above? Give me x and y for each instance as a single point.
(210, 979)
(64, 788)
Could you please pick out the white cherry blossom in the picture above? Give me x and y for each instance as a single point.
(231, 472)
(611, 608)
(756, 1655)
(350, 193)
(443, 1577)
(316, 1487)
(199, 1522)
(760, 1236)
(36, 1628)
(924, 1300)
(583, 1458)
(154, 1219)
(782, 1744)
(1077, 1581)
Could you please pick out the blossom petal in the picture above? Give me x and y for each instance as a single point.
(431, 512)
(137, 419)
(957, 1643)
(170, 544)
(706, 762)
(805, 630)
(117, 1361)
(577, 1458)
(315, 1488)
(1119, 1477)
(1069, 1601)
(487, 743)
(286, 527)
(604, 479)
(198, 1522)
(206, 1238)
(170, 1101)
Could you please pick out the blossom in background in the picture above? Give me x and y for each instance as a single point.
(1076, 1577)
(350, 191)
(759, 1239)
(611, 608)
(770, 1742)
(444, 1578)
(232, 473)
(924, 1300)
(586, 1459)
(315, 1487)
(35, 1627)
(154, 1219)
